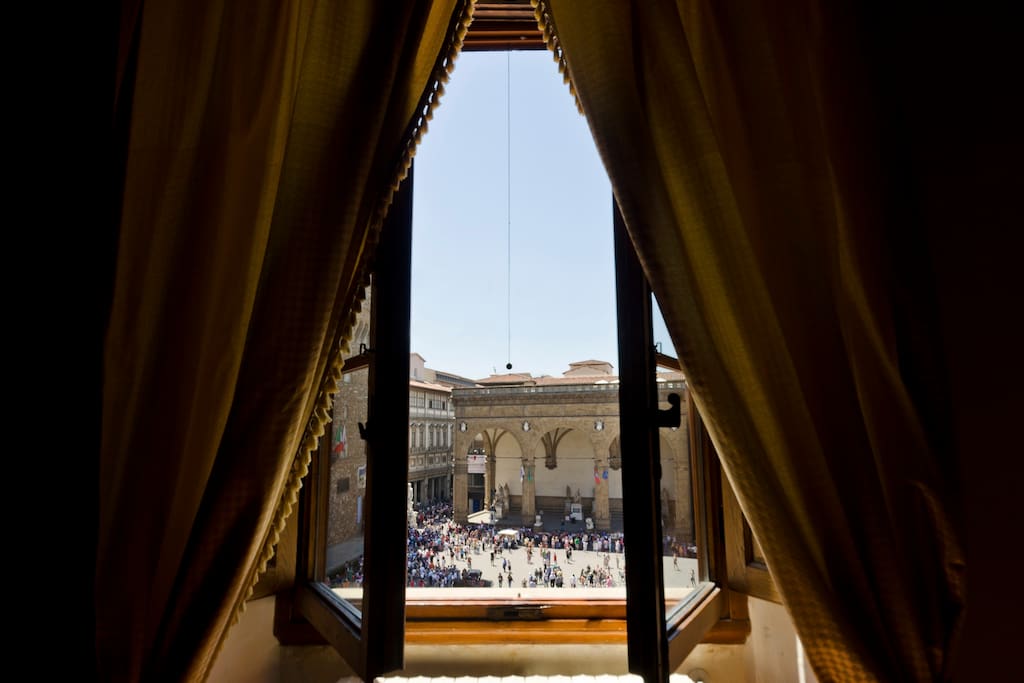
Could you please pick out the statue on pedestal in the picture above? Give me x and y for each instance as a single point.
(409, 512)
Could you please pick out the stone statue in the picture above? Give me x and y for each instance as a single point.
(577, 498)
(568, 491)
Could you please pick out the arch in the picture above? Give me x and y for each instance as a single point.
(550, 440)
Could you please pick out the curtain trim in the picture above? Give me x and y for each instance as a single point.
(321, 414)
(546, 24)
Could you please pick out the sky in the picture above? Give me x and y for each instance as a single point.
(512, 225)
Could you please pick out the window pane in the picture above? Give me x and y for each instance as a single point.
(683, 571)
(346, 509)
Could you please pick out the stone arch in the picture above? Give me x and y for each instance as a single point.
(550, 440)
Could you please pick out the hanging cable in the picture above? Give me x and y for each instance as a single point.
(508, 203)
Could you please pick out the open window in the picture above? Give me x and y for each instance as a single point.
(358, 600)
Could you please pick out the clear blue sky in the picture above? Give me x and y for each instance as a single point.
(548, 223)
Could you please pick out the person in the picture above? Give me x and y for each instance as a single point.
(675, 561)
(693, 579)
(501, 580)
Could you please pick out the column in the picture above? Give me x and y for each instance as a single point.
(529, 503)
(488, 480)
(602, 516)
(684, 501)
(460, 484)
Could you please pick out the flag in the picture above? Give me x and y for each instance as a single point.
(340, 438)
(605, 475)
(597, 476)
(522, 473)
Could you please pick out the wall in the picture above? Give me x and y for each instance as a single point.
(771, 655)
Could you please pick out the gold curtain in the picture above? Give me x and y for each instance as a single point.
(744, 146)
(264, 143)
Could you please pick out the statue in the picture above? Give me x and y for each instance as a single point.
(410, 513)
(568, 491)
(577, 498)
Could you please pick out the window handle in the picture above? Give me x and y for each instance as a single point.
(670, 417)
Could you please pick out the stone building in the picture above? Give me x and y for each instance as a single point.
(429, 456)
(431, 427)
(348, 453)
(550, 442)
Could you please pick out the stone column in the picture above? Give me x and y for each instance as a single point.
(602, 515)
(601, 439)
(529, 503)
(489, 484)
(460, 485)
(684, 506)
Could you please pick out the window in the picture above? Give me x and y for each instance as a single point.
(660, 631)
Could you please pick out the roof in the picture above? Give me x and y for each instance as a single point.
(417, 384)
(512, 378)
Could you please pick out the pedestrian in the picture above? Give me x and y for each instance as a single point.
(693, 579)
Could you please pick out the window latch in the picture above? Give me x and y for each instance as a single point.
(670, 417)
(516, 612)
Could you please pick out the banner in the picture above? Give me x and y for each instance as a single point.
(361, 476)
(340, 441)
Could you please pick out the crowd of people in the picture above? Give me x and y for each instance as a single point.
(440, 553)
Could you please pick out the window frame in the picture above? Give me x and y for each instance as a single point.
(663, 633)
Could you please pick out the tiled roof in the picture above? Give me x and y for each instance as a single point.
(427, 385)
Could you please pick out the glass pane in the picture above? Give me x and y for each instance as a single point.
(684, 573)
(346, 510)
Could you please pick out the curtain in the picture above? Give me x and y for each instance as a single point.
(749, 149)
(264, 143)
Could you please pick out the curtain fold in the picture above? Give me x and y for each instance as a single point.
(264, 144)
(746, 147)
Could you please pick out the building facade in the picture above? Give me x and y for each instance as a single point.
(431, 426)
(549, 443)
(429, 458)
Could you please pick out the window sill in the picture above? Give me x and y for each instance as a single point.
(466, 623)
